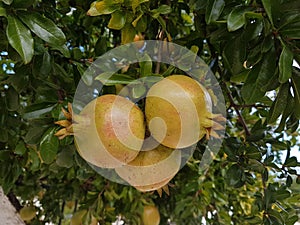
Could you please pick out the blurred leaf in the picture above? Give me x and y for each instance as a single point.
(2, 11)
(291, 162)
(280, 103)
(3, 135)
(234, 175)
(65, 158)
(296, 90)
(236, 18)
(20, 38)
(34, 134)
(136, 3)
(214, 9)
(234, 55)
(290, 107)
(112, 79)
(20, 148)
(102, 8)
(268, 7)
(49, 146)
(63, 49)
(138, 91)
(285, 65)
(127, 34)
(12, 99)
(254, 87)
(145, 66)
(291, 30)
(7, 2)
(162, 9)
(117, 20)
(43, 27)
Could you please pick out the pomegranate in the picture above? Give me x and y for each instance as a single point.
(109, 131)
(151, 169)
(150, 215)
(179, 112)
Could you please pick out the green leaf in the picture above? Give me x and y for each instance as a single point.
(3, 135)
(280, 103)
(12, 98)
(127, 34)
(236, 18)
(296, 89)
(136, 3)
(254, 87)
(38, 110)
(43, 27)
(234, 175)
(108, 79)
(65, 158)
(7, 2)
(291, 162)
(102, 8)
(19, 37)
(162, 9)
(20, 148)
(34, 134)
(214, 9)
(285, 65)
(268, 8)
(2, 11)
(117, 20)
(138, 91)
(290, 107)
(49, 146)
(234, 55)
(145, 66)
(291, 30)
(63, 49)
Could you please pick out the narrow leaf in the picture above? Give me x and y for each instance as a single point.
(213, 10)
(117, 20)
(20, 38)
(49, 146)
(280, 102)
(236, 18)
(268, 9)
(102, 8)
(43, 27)
(2, 12)
(7, 2)
(285, 65)
(296, 89)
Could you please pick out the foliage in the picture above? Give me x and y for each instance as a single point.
(250, 45)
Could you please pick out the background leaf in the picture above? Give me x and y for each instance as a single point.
(43, 27)
(20, 38)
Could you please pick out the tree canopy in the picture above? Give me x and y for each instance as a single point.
(252, 47)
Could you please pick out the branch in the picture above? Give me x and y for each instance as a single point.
(236, 108)
(14, 201)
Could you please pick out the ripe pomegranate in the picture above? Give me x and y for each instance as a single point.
(179, 112)
(150, 215)
(151, 169)
(109, 131)
(27, 213)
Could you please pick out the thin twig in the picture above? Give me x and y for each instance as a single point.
(160, 37)
(236, 108)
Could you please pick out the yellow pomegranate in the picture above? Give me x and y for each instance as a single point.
(182, 115)
(150, 215)
(109, 131)
(159, 186)
(152, 169)
(27, 213)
